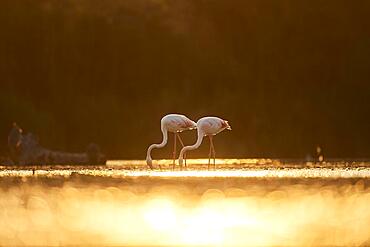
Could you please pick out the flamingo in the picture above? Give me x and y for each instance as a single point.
(207, 126)
(174, 123)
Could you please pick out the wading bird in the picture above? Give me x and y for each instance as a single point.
(174, 123)
(207, 126)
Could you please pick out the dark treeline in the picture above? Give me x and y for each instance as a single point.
(288, 75)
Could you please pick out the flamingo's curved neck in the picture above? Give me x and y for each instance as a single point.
(192, 147)
(160, 145)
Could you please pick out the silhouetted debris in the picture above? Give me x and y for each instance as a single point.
(6, 161)
(14, 142)
(26, 150)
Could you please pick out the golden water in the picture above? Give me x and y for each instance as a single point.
(256, 203)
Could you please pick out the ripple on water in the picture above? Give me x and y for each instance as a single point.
(239, 168)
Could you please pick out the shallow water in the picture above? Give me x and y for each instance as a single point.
(232, 168)
(242, 202)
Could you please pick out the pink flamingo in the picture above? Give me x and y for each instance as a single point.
(174, 123)
(207, 126)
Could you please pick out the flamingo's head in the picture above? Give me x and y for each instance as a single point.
(226, 125)
(149, 162)
(180, 161)
(181, 156)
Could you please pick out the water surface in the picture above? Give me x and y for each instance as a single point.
(240, 203)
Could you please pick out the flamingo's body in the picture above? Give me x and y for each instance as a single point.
(174, 123)
(207, 126)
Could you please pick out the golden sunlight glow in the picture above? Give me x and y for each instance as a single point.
(243, 168)
(160, 214)
(299, 215)
(114, 206)
(363, 172)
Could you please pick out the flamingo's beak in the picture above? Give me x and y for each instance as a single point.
(150, 164)
(228, 127)
(180, 163)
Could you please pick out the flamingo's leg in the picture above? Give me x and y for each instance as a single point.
(182, 144)
(214, 153)
(178, 136)
(174, 152)
(210, 151)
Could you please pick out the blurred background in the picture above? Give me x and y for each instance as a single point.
(288, 75)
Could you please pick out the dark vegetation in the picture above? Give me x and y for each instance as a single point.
(288, 75)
